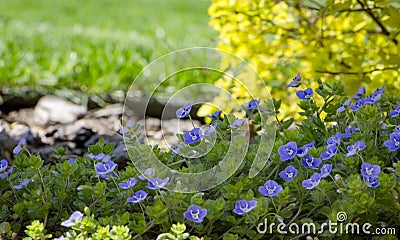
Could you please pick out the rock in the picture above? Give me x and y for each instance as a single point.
(110, 110)
(52, 109)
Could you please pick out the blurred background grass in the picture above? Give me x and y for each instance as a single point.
(97, 47)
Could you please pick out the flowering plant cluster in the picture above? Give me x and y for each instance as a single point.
(341, 157)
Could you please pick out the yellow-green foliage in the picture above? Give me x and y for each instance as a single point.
(356, 41)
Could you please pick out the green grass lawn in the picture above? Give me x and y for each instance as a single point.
(93, 46)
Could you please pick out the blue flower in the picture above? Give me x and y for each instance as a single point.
(356, 147)
(375, 97)
(397, 128)
(369, 170)
(177, 148)
(105, 169)
(289, 173)
(210, 129)
(331, 151)
(253, 104)
(3, 165)
(360, 93)
(17, 150)
(148, 173)
(312, 182)
(239, 122)
(243, 206)
(288, 151)
(343, 106)
(270, 188)
(310, 162)
(195, 213)
(157, 183)
(348, 131)
(334, 140)
(192, 136)
(394, 143)
(395, 112)
(23, 184)
(215, 115)
(295, 82)
(5, 173)
(95, 156)
(71, 160)
(128, 184)
(302, 151)
(138, 197)
(184, 111)
(73, 220)
(305, 95)
(359, 104)
(125, 128)
(372, 181)
(325, 170)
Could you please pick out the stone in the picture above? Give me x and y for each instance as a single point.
(52, 109)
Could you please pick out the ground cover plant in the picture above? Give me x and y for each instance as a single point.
(338, 164)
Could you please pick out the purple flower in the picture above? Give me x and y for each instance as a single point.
(359, 104)
(356, 147)
(176, 149)
(310, 162)
(312, 182)
(331, 151)
(375, 97)
(148, 173)
(6, 173)
(215, 115)
(270, 188)
(253, 104)
(343, 106)
(288, 151)
(334, 140)
(210, 129)
(302, 151)
(23, 184)
(105, 169)
(71, 160)
(305, 95)
(348, 131)
(394, 143)
(371, 181)
(73, 220)
(125, 128)
(295, 82)
(98, 157)
(360, 93)
(192, 136)
(238, 122)
(3, 165)
(17, 150)
(195, 213)
(128, 184)
(289, 173)
(395, 112)
(369, 170)
(184, 111)
(243, 206)
(325, 170)
(397, 128)
(138, 197)
(157, 183)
